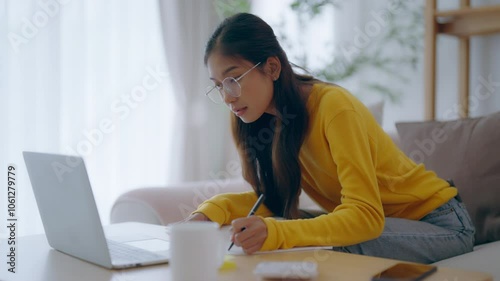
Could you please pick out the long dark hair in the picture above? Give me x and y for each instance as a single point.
(269, 147)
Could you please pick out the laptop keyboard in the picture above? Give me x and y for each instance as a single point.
(121, 252)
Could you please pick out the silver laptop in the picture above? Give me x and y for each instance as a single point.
(71, 220)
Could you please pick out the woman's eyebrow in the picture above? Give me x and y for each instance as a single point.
(225, 71)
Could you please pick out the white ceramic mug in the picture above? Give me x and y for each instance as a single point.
(195, 251)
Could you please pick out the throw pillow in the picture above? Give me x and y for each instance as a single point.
(467, 151)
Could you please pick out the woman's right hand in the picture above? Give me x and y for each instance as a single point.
(197, 217)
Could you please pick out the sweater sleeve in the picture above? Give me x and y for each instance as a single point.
(360, 215)
(224, 208)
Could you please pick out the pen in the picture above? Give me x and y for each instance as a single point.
(252, 212)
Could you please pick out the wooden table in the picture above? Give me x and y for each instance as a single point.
(340, 266)
(38, 261)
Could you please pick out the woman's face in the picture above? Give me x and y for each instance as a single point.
(256, 86)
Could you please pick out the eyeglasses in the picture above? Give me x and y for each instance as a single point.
(230, 86)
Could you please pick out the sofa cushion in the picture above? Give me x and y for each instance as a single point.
(467, 151)
(484, 258)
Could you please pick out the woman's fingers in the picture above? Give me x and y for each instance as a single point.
(249, 233)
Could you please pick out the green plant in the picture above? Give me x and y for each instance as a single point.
(312, 8)
(403, 30)
(227, 8)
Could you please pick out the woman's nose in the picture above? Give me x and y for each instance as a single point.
(228, 98)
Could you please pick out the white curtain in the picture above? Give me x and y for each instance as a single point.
(203, 148)
(89, 78)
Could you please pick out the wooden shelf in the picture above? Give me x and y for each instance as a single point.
(468, 21)
(463, 23)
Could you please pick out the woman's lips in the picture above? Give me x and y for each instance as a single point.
(240, 111)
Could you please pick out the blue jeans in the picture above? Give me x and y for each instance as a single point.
(443, 233)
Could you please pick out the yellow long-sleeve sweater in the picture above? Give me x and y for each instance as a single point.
(352, 169)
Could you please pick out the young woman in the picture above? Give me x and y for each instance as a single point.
(293, 133)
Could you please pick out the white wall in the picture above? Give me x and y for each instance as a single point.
(485, 61)
(340, 26)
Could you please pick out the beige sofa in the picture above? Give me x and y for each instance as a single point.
(468, 151)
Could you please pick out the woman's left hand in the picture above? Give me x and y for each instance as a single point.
(249, 233)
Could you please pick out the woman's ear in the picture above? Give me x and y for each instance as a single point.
(273, 67)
